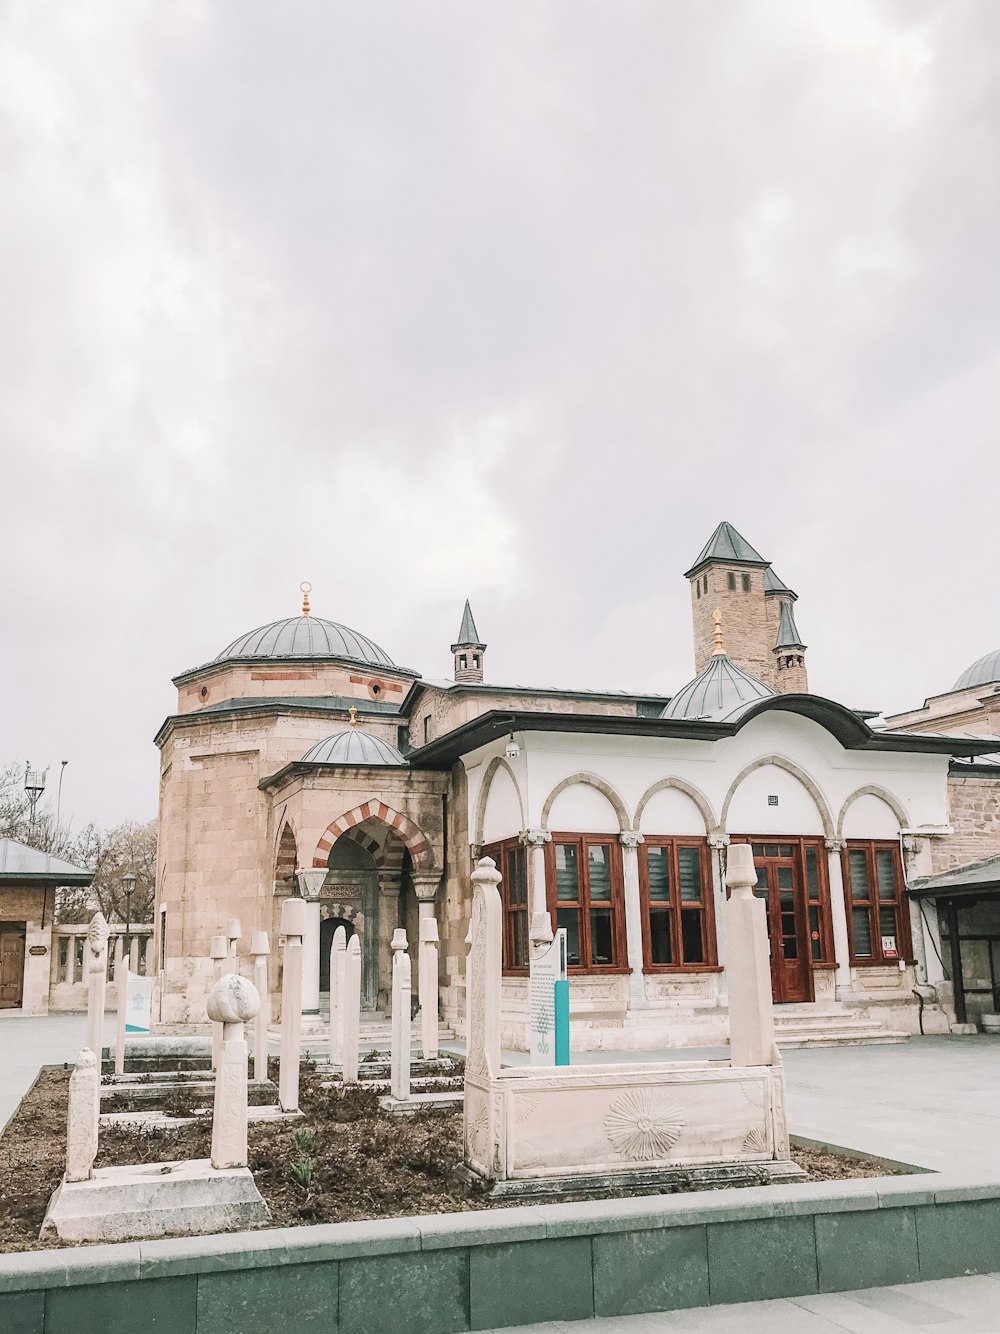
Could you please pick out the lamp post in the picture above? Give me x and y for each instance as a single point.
(128, 888)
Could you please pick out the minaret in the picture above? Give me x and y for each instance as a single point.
(729, 575)
(789, 654)
(469, 650)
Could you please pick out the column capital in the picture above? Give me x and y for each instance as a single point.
(834, 844)
(630, 839)
(310, 883)
(426, 884)
(718, 838)
(475, 852)
(535, 838)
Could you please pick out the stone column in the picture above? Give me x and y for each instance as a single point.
(388, 920)
(293, 925)
(352, 1011)
(541, 923)
(838, 911)
(338, 960)
(751, 1016)
(97, 981)
(485, 965)
(719, 842)
(260, 948)
(310, 884)
(83, 1117)
(232, 1002)
(121, 986)
(427, 982)
(233, 933)
(426, 885)
(630, 840)
(401, 1029)
(133, 954)
(220, 955)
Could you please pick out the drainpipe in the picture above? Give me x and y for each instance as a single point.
(957, 980)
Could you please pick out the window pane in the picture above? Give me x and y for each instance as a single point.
(812, 873)
(658, 868)
(815, 934)
(857, 862)
(570, 919)
(691, 946)
(520, 942)
(885, 871)
(862, 933)
(887, 925)
(599, 871)
(517, 884)
(659, 936)
(785, 878)
(770, 849)
(785, 850)
(758, 849)
(689, 865)
(601, 948)
(567, 873)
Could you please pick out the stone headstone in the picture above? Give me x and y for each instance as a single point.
(220, 953)
(260, 948)
(97, 981)
(427, 966)
(83, 1117)
(352, 1010)
(400, 1054)
(485, 964)
(748, 964)
(293, 926)
(232, 1003)
(338, 953)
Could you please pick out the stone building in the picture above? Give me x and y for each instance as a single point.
(303, 760)
(28, 883)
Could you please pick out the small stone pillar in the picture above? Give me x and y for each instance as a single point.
(351, 1011)
(540, 929)
(629, 839)
(233, 933)
(232, 1002)
(484, 973)
(121, 986)
(751, 1018)
(97, 981)
(220, 953)
(293, 925)
(427, 983)
(260, 948)
(400, 1017)
(338, 959)
(83, 1117)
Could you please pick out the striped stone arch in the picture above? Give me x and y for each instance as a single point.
(414, 840)
(286, 855)
(387, 856)
(587, 780)
(871, 790)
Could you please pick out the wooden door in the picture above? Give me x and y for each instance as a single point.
(11, 968)
(779, 881)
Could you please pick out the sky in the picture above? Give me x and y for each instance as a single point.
(512, 302)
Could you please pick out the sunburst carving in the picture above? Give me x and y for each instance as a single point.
(643, 1124)
(755, 1141)
(524, 1107)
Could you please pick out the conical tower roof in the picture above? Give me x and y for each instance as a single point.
(788, 631)
(468, 635)
(726, 544)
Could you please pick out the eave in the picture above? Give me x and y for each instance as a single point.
(324, 660)
(269, 709)
(300, 768)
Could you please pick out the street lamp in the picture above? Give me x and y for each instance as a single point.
(128, 888)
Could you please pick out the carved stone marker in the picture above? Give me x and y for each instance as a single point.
(83, 1117)
(220, 953)
(352, 1011)
(427, 967)
(748, 966)
(232, 1003)
(121, 986)
(338, 958)
(260, 948)
(97, 981)
(401, 1022)
(293, 926)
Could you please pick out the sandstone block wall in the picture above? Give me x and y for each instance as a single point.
(974, 812)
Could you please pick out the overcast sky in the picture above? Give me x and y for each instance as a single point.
(510, 300)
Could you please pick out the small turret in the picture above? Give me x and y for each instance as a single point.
(789, 654)
(469, 649)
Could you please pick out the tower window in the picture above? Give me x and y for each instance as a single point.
(706, 585)
(746, 583)
(463, 661)
(731, 581)
(475, 659)
(697, 588)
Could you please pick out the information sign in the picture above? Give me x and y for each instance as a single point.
(138, 1003)
(548, 1005)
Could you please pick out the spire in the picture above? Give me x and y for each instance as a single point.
(788, 631)
(728, 546)
(306, 588)
(469, 650)
(719, 649)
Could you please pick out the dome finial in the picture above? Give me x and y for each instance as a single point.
(352, 717)
(306, 588)
(719, 649)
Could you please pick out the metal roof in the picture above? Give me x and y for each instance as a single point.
(983, 672)
(788, 631)
(306, 637)
(772, 584)
(961, 881)
(728, 545)
(717, 690)
(18, 862)
(353, 746)
(468, 635)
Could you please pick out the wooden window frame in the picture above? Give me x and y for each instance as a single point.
(904, 946)
(800, 842)
(709, 939)
(500, 853)
(583, 905)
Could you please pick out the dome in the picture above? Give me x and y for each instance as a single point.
(719, 688)
(984, 672)
(352, 746)
(306, 637)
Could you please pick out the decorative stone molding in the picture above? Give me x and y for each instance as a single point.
(498, 762)
(678, 785)
(871, 790)
(310, 884)
(426, 885)
(834, 844)
(587, 780)
(779, 762)
(416, 842)
(718, 838)
(630, 839)
(535, 838)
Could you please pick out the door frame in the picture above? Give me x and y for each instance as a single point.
(18, 931)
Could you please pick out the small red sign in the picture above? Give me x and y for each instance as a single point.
(815, 935)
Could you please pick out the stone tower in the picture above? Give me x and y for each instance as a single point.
(469, 650)
(756, 607)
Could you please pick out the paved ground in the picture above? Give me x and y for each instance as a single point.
(947, 1306)
(27, 1043)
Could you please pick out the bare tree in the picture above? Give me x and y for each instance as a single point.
(112, 854)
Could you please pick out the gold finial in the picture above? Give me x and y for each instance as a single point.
(306, 588)
(718, 650)
(352, 717)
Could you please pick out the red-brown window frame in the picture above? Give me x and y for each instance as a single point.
(709, 942)
(904, 945)
(500, 853)
(617, 899)
(801, 842)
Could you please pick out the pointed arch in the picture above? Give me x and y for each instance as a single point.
(416, 843)
(286, 854)
(872, 790)
(587, 780)
(789, 766)
(689, 790)
(497, 762)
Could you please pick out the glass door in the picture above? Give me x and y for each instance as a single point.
(779, 883)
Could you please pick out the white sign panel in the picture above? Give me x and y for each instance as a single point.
(546, 969)
(138, 1003)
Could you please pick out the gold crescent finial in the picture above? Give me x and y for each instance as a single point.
(306, 588)
(352, 717)
(718, 650)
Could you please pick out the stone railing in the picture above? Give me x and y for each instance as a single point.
(67, 980)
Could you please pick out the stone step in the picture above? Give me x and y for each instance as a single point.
(839, 1035)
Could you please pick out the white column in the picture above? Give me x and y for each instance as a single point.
(425, 886)
(751, 1013)
(630, 840)
(838, 911)
(293, 923)
(352, 1011)
(121, 986)
(401, 1038)
(338, 961)
(133, 954)
(427, 982)
(541, 923)
(220, 951)
(310, 960)
(97, 980)
(260, 948)
(718, 842)
(71, 960)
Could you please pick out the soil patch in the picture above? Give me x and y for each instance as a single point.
(344, 1160)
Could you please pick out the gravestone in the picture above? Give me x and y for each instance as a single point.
(748, 965)
(97, 981)
(83, 1117)
(293, 926)
(260, 948)
(220, 953)
(338, 957)
(401, 1021)
(427, 968)
(232, 1003)
(352, 1011)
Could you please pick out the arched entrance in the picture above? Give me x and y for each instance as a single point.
(327, 930)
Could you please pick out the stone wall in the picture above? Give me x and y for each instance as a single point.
(444, 710)
(261, 680)
(745, 619)
(34, 907)
(974, 815)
